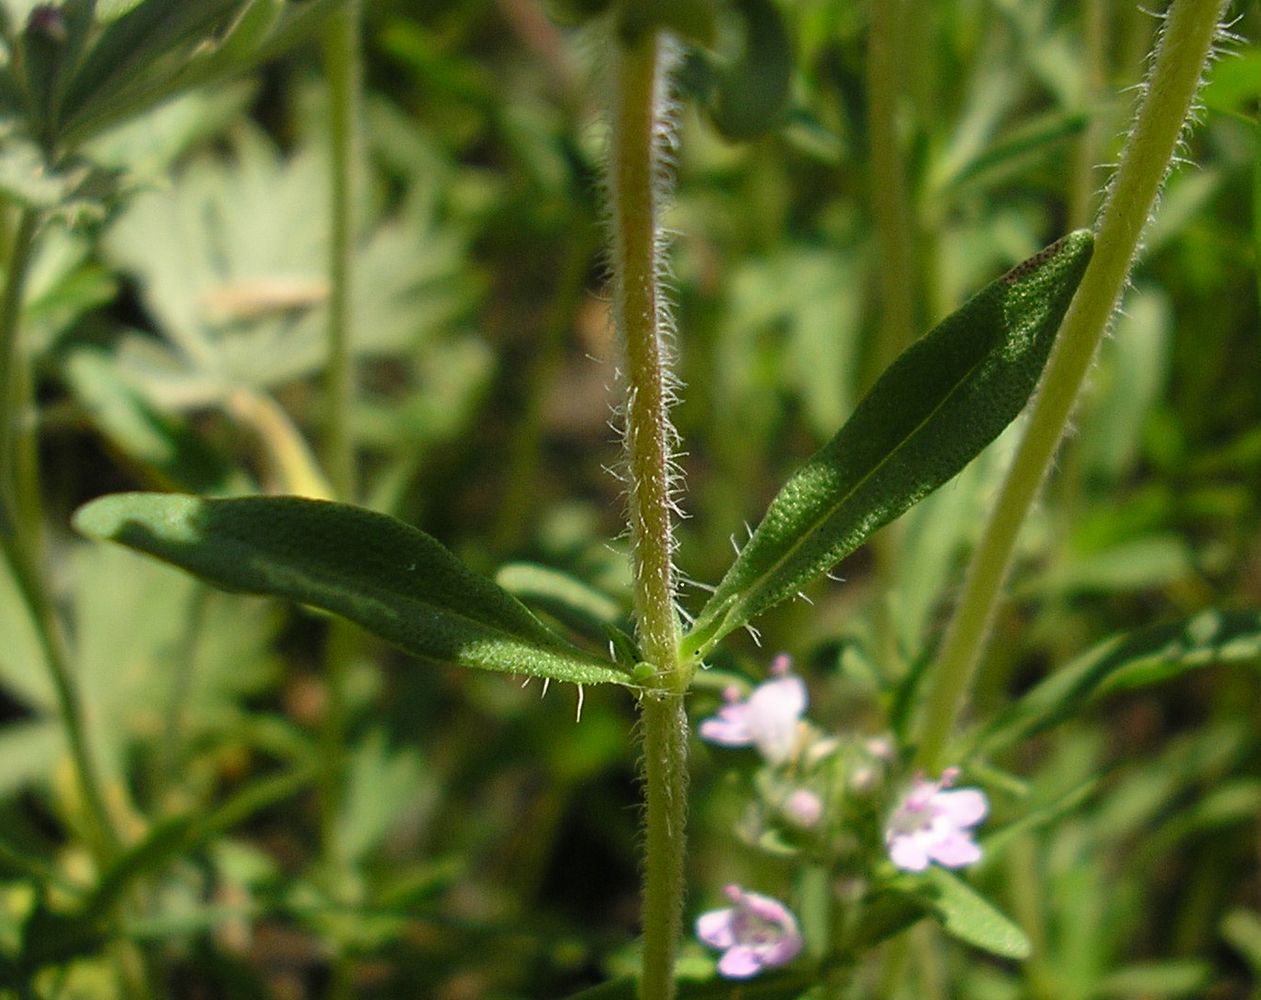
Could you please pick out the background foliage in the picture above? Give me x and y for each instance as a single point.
(485, 843)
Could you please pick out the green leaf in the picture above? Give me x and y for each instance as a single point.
(971, 918)
(1174, 977)
(382, 574)
(1134, 659)
(935, 408)
(163, 447)
(752, 91)
(576, 603)
(130, 45)
(1242, 931)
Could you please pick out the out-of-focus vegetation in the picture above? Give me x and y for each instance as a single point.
(484, 843)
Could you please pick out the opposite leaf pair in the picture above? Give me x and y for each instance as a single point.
(933, 410)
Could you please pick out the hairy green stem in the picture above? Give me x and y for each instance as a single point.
(639, 312)
(1175, 74)
(665, 798)
(342, 68)
(19, 538)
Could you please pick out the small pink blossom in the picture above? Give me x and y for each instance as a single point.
(933, 824)
(803, 808)
(754, 933)
(767, 719)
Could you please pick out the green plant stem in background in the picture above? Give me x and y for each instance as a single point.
(19, 507)
(1256, 201)
(19, 485)
(1084, 183)
(639, 312)
(892, 214)
(344, 73)
(890, 204)
(1184, 46)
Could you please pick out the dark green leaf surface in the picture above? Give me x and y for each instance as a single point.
(1144, 656)
(382, 574)
(128, 45)
(752, 93)
(935, 408)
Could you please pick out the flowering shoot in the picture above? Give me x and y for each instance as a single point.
(768, 719)
(933, 823)
(754, 933)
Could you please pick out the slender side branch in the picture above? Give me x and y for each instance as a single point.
(1181, 53)
(19, 540)
(344, 72)
(639, 135)
(342, 67)
(890, 204)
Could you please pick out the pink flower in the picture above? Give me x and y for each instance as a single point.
(767, 719)
(932, 824)
(803, 808)
(754, 933)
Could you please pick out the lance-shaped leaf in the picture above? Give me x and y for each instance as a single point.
(1134, 659)
(395, 581)
(970, 917)
(942, 401)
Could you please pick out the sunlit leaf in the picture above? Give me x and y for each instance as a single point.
(382, 574)
(938, 405)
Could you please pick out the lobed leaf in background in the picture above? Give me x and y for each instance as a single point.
(938, 405)
(82, 67)
(382, 574)
(144, 705)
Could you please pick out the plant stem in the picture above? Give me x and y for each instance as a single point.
(890, 204)
(342, 68)
(665, 799)
(19, 508)
(1175, 74)
(344, 72)
(1083, 185)
(635, 179)
(639, 312)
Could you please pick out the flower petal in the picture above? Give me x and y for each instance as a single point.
(782, 951)
(740, 962)
(965, 807)
(768, 910)
(908, 852)
(715, 928)
(955, 851)
(729, 728)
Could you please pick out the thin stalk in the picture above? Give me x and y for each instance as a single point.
(895, 247)
(19, 480)
(890, 201)
(344, 72)
(1086, 154)
(1175, 74)
(635, 182)
(19, 540)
